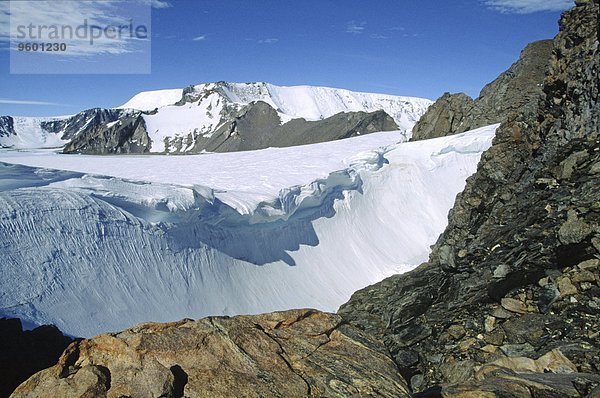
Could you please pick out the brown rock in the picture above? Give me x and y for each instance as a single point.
(502, 382)
(283, 354)
(513, 305)
(565, 287)
(457, 371)
(573, 230)
(501, 313)
(555, 362)
(516, 364)
(583, 276)
(469, 393)
(489, 348)
(589, 264)
(457, 332)
(466, 344)
(496, 337)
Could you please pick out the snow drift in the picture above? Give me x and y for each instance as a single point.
(111, 241)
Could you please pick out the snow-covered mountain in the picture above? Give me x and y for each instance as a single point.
(52, 132)
(308, 102)
(219, 117)
(96, 243)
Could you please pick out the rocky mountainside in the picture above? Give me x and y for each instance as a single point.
(218, 117)
(7, 127)
(515, 90)
(53, 132)
(514, 278)
(255, 126)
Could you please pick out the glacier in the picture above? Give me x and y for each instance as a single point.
(97, 243)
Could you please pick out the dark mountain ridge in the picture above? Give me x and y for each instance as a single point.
(515, 91)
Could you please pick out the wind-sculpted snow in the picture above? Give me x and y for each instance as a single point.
(92, 252)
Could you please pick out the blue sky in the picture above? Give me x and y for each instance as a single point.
(405, 47)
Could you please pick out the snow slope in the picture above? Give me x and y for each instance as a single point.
(149, 100)
(113, 241)
(28, 133)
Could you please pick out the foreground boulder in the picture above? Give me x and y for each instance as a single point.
(516, 273)
(515, 90)
(297, 353)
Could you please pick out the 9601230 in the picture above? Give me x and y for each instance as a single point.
(42, 47)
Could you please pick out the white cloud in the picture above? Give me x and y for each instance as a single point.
(27, 102)
(71, 14)
(527, 6)
(355, 28)
(268, 41)
(157, 3)
(199, 38)
(378, 36)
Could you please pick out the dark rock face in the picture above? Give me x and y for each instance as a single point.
(448, 115)
(91, 129)
(7, 126)
(127, 134)
(515, 274)
(254, 126)
(22, 353)
(81, 122)
(298, 353)
(515, 90)
(101, 131)
(257, 126)
(502, 382)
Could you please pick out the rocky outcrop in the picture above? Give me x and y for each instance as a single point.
(126, 134)
(448, 115)
(7, 126)
(515, 90)
(515, 274)
(298, 353)
(75, 125)
(48, 132)
(225, 117)
(217, 117)
(22, 353)
(257, 126)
